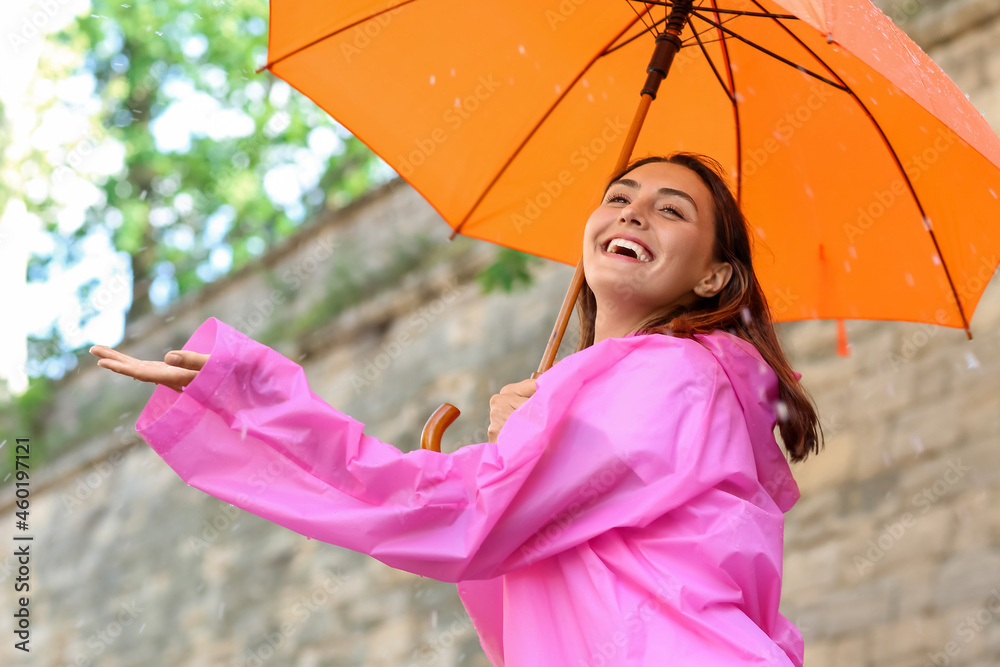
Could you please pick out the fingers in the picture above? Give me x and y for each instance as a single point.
(525, 388)
(156, 372)
(193, 361)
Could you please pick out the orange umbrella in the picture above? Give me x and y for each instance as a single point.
(872, 182)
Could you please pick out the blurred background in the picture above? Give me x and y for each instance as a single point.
(150, 179)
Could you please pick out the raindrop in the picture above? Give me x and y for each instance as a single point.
(852, 252)
(141, 628)
(847, 266)
(434, 618)
(243, 432)
(142, 195)
(886, 459)
(781, 409)
(739, 97)
(558, 90)
(520, 49)
(928, 225)
(994, 194)
(747, 317)
(511, 81)
(432, 79)
(810, 193)
(590, 98)
(918, 444)
(936, 260)
(760, 232)
(458, 102)
(909, 280)
(890, 390)
(453, 72)
(585, 84)
(2, 444)
(971, 360)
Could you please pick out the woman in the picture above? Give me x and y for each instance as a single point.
(628, 512)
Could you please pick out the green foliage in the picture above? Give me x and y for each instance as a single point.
(510, 271)
(173, 208)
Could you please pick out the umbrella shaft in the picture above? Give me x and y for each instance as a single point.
(668, 43)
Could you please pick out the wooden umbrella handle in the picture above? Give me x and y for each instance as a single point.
(442, 418)
(430, 437)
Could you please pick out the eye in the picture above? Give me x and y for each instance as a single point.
(673, 210)
(617, 197)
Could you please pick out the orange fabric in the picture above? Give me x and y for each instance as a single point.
(508, 119)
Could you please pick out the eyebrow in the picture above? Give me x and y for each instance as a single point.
(629, 183)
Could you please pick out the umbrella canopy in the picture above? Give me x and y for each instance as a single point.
(871, 181)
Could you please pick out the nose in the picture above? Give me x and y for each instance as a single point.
(630, 215)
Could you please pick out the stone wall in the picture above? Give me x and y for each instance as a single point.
(893, 553)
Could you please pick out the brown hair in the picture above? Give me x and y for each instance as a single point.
(739, 308)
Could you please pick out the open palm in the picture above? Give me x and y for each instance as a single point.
(176, 371)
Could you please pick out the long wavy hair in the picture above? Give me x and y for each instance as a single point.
(739, 308)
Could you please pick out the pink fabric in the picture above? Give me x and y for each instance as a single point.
(631, 513)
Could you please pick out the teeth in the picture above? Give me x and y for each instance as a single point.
(639, 251)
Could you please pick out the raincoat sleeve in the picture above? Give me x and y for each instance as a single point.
(615, 436)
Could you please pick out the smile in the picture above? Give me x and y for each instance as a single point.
(628, 249)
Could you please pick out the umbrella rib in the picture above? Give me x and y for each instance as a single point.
(649, 28)
(735, 12)
(736, 115)
(899, 165)
(802, 69)
(695, 33)
(538, 125)
(611, 49)
(392, 7)
(711, 64)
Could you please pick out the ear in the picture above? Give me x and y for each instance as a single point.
(713, 283)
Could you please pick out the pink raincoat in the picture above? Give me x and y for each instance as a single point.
(630, 514)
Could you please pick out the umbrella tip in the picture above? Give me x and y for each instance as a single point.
(261, 68)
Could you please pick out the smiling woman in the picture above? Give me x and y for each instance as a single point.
(628, 508)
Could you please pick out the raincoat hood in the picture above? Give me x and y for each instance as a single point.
(756, 386)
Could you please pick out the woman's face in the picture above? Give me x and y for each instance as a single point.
(649, 244)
